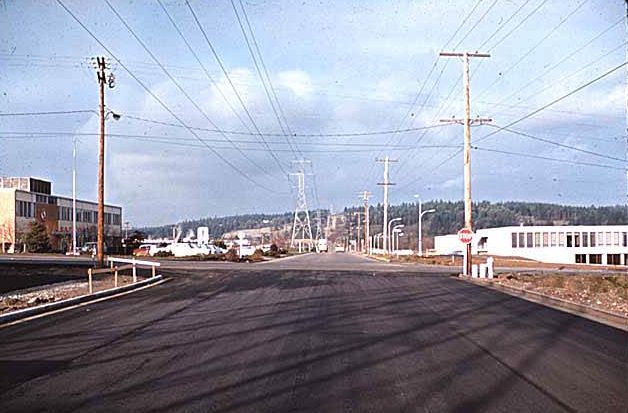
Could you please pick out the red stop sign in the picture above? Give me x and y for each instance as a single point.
(465, 235)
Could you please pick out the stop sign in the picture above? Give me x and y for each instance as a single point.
(465, 235)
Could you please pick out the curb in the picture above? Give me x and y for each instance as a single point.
(33, 311)
(601, 316)
(290, 257)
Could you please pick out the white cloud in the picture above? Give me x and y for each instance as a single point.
(297, 81)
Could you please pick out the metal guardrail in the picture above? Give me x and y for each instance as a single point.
(132, 264)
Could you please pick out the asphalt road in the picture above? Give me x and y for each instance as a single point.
(330, 333)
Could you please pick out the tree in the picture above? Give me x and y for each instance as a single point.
(36, 239)
(135, 239)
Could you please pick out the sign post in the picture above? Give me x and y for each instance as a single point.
(465, 235)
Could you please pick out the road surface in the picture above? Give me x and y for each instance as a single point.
(317, 333)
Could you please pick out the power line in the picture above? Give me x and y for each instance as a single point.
(607, 73)
(275, 105)
(532, 49)
(478, 21)
(37, 135)
(547, 158)
(161, 103)
(564, 59)
(302, 135)
(226, 74)
(562, 145)
(56, 112)
(368, 175)
(176, 83)
(553, 102)
(533, 12)
(198, 60)
(502, 25)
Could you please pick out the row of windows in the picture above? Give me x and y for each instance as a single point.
(611, 259)
(568, 239)
(25, 209)
(83, 215)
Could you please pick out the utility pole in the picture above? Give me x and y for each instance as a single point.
(101, 165)
(101, 67)
(359, 239)
(468, 219)
(386, 161)
(367, 236)
(301, 226)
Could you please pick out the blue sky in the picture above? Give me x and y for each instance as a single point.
(336, 68)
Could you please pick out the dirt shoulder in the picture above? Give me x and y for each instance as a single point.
(608, 292)
(17, 300)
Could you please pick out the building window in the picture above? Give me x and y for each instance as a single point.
(522, 240)
(576, 239)
(513, 238)
(595, 258)
(613, 259)
(600, 239)
(608, 241)
(625, 240)
(569, 240)
(616, 238)
(585, 239)
(561, 239)
(553, 240)
(537, 239)
(592, 234)
(25, 209)
(545, 239)
(581, 258)
(529, 236)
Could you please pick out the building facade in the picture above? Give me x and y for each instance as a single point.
(581, 244)
(24, 200)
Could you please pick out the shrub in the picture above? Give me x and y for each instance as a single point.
(163, 254)
(232, 255)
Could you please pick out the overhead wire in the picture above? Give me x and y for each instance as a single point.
(411, 109)
(272, 100)
(235, 90)
(503, 73)
(162, 103)
(544, 107)
(204, 69)
(177, 84)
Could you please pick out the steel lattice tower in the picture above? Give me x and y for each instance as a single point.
(301, 228)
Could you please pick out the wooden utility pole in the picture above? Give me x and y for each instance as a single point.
(367, 240)
(359, 239)
(386, 161)
(468, 219)
(102, 79)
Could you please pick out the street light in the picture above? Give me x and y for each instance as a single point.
(389, 228)
(398, 234)
(421, 213)
(396, 228)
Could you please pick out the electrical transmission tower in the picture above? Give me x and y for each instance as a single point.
(301, 228)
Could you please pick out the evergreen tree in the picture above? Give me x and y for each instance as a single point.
(36, 239)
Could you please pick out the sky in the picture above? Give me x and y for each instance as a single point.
(350, 81)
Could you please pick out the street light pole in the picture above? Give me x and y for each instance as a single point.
(394, 230)
(74, 196)
(388, 235)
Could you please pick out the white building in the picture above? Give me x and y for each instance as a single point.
(582, 244)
